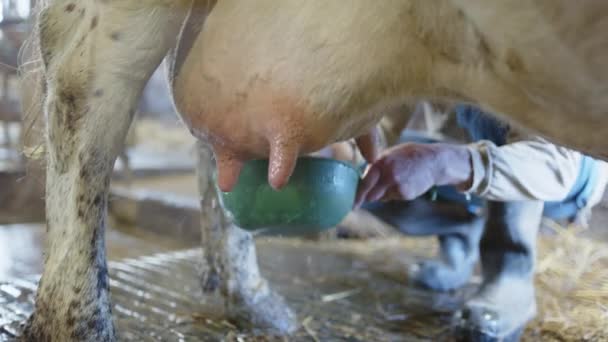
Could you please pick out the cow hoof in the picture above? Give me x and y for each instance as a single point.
(267, 313)
(438, 276)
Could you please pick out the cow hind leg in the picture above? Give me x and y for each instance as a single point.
(230, 264)
(98, 57)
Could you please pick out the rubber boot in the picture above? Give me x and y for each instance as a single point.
(505, 302)
(458, 231)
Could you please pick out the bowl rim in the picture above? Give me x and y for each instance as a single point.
(316, 159)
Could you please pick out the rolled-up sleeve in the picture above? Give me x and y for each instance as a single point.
(524, 170)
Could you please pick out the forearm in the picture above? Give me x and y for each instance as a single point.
(525, 170)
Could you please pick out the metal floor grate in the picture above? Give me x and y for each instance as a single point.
(158, 298)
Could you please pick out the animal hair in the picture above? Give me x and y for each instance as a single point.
(33, 88)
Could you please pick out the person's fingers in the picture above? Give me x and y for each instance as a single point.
(371, 177)
(393, 193)
(379, 190)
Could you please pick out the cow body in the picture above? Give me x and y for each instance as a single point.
(279, 79)
(283, 79)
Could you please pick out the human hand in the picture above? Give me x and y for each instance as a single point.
(406, 171)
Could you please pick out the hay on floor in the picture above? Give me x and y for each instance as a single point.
(572, 288)
(571, 281)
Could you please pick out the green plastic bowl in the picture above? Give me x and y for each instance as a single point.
(320, 193)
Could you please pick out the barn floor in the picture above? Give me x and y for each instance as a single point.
(341, 291)
(337, 295)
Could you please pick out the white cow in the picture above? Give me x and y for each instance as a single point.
(279, 79)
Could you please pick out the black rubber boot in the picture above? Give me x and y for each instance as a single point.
(459, 255)
(505, 302)
(459, 233)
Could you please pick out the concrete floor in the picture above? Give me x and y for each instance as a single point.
(22, 247)
(184, 185)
